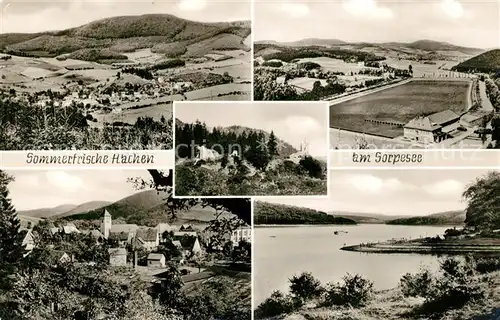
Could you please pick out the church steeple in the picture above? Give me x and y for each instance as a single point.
(106, 224)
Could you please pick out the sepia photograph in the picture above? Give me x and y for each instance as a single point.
(90, 75)
(114, 244)
(250, 148)
(396, 74)
(386, 244)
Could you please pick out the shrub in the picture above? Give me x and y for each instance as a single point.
(487, 264)
(278, 303)
(416, 285)
(312, 166)
(274, 64)
(355, 291)
(305, 286)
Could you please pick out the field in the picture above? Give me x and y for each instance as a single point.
(130, 115)
(400, 103)
(330, 64)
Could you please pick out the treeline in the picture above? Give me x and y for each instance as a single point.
(269, 213)
(255, 146)
(290, 54)
(417, 221)
(486, 62)
(31, 127)
(147, 72)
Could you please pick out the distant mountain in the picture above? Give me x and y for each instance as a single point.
(429, 45)
(485, 62)
(47, 212)
(162, 33)
(280, 214)
(85, 207)
(144, 208)
(442, 218)
(362, 217)
(266, 47)
(308, 42)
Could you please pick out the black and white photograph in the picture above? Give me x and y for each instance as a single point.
(397, 74)
(114, 244)
(250, 148)
(386, 244)
(95, 75)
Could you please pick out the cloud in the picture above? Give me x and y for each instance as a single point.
(452, 8)
(446, 187)
(64, 181)
(371, 184)
(295, 10)
(192, 5)
(367, 9)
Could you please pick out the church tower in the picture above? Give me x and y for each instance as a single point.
(106, 224)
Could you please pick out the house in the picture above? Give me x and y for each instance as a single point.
(117, 256)
(54, 230)
(150, 238)
(189, 245)
(156, 260)
(447, 119)
(162, 228)
(96, 234)
(185, 233)
(107, 227)
(122, 238)
(58, 257)
(241, 234)
(422, 129)
(70, 228)
(187, 227)
(28, 240)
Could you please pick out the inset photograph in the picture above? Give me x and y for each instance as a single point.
(104, 76)
(387, 244)
(432, 82)
(250, 148)
(114, 244)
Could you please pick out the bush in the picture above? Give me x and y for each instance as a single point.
(355, 291)
(417, 285)
(278, 303)
(312, 166)
(305, 286)
(487, 264)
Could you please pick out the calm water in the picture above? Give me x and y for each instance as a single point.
(317, 249)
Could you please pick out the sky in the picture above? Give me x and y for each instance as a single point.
(34, 189)
(392, 192)
(45, 15)
(292, 122)
(467, 23)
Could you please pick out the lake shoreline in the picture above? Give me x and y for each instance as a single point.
(421, 247)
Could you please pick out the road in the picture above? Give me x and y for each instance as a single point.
(334, 101)
(485, 101)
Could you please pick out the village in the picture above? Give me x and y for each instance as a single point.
(150, 251)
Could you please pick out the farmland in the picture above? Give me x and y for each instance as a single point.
(400, 103)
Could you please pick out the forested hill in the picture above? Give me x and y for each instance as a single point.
(442, 218)
(186, 133)
(486, 62)
(271, 213)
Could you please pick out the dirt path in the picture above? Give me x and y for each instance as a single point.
(485, 101)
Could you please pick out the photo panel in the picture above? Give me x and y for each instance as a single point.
(103, 75)
(113, 243)
(250, 149)
(430, 82)
(386, 244)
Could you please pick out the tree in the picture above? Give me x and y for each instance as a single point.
(483, 202)
(410, 69)
(272, 145)
(12, 249)
(305, 286)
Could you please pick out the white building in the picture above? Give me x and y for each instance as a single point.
(241, 234)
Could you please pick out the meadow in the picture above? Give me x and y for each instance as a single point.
(400, 103)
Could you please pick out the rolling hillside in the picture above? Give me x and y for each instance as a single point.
(272, 213)
(162, 33)
(47, 212)
(486, 62)
(143, 208)
(263, 48)
(442, 218)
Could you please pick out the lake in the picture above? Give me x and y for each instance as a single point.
(316, 249)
